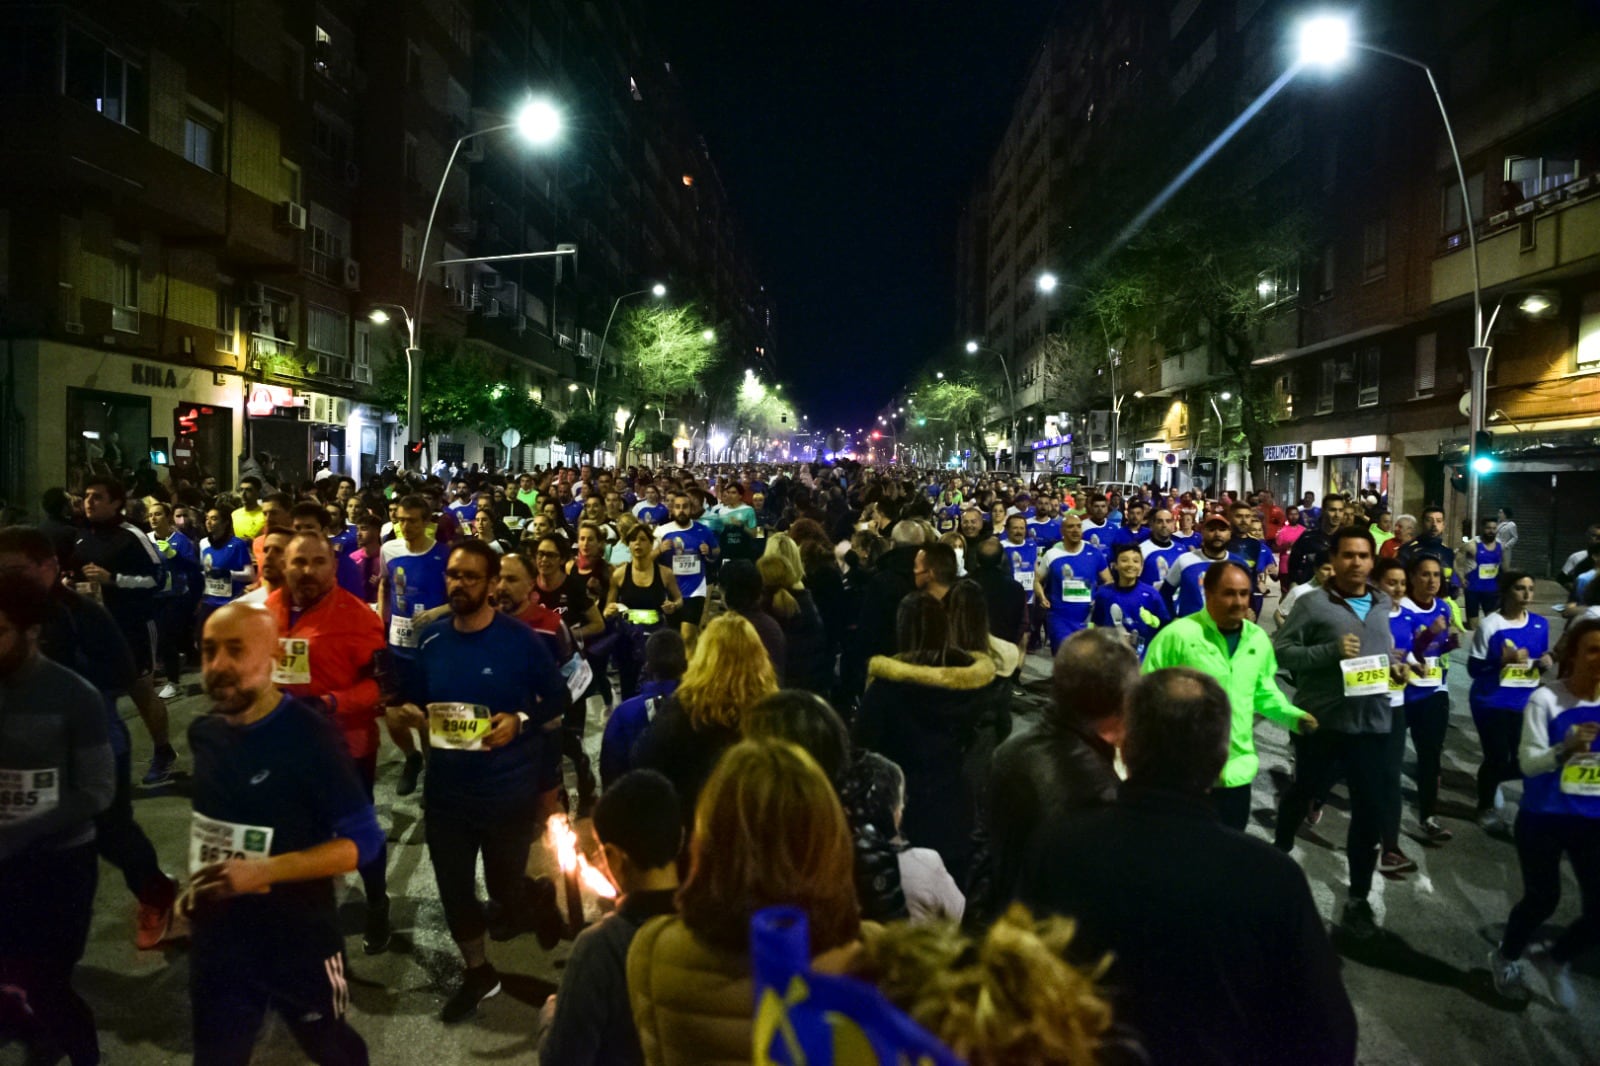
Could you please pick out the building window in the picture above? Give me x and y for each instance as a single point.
(1375, 249)
(327, 331)
(1424, 379)
(200, 141)
(408, 158)
(125, 290)
(1539, 175)
(408, 248)
(1589, 332)
(1452, 220)
(1325, 272)
(413, 64)
(99, 78)
(1330, 381)
(1367, 376)
(1278, 285)
(329, 136)
(225, 310)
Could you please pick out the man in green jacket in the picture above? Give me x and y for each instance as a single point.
(1223, 642)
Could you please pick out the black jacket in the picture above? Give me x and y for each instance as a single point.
(1007, 601)
(880, 604)
(1302, 557)
(1218, 953)
(686, 755)
(809, 657)
(1050, 770)
(938, 724)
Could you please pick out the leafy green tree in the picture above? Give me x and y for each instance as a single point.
(961, 403)
(586, 430)
(463, 389)
(652, 441)
(665, 351)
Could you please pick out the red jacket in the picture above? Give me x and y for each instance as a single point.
(344, 634)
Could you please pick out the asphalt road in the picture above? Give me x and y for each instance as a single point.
(1423, 995)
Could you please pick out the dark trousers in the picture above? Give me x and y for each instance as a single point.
(1363, 758)
(1428, 720)
(231, 999)
(573, 722)
(1232, 805)
(46, 902)
(1541, 840)
(1485, 602)
(120, 841)
(629, 652)
(1499, 731)
(174, 633)
(1393, 803)
(456, 837)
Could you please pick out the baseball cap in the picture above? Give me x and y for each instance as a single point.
(1214, 520)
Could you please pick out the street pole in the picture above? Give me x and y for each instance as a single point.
(1218, 412)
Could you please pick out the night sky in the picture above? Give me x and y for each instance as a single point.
(848, 135)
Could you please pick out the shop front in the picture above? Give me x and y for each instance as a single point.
(88, 411)
(1355, 465)
(1283, 464)
(1053, 454)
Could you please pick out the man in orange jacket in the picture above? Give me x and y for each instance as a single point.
(328, 639)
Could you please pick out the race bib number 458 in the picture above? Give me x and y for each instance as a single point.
(27, 794)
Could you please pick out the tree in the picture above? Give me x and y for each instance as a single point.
(961, 403)
(653, 441)
(586, 430)
(462, 389)
(666, 349)
(762, 410)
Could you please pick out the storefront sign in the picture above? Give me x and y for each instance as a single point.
(1283, 453)
(264, 399)
(156, 377)
(1051, 442)
(1368, 445)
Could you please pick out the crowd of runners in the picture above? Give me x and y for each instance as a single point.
(806, 686)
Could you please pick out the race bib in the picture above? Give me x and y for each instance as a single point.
(643, 617)
(1074, 591)
(579, 675)
(1023, 577)
(1519, 675)
(1367, 675)
(515, 522)
(1489, 571)
(1581, 775)
(402, 632)
(219, 586)
(212, 841)
(27, 794)
(458, 726)
(1431, 675)
(294, 662)
(685, 564)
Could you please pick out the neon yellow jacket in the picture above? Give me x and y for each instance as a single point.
(1249, 677)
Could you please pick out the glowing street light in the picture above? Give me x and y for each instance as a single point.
(378, 317)
(539, 122)
(1048, 283)
(658, 290)
(709, 334)
(1324, 40)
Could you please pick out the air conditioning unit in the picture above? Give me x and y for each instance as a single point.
(324, 367)
(320, 404)
(473, 152)
(491, 308)
(291, 216)
(340, 411)
(352, 274)
(361, 375)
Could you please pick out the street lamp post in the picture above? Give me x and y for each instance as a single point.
(973, 347)
(539, 123)
(1325, 41)
(657, 290)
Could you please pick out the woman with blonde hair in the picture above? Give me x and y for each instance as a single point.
(1007, 997)
(808, 664)
(729, 673)
(768, 831)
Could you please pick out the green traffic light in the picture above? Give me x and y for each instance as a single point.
(1483, 464)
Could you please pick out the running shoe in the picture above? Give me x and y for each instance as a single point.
(152, 917)
(1314, 815)
(409, 775)
(1508, 980)
(1557, 974)
(477, 985)
(1494, 823)
(1395, 862)
(376, 933)
(1358, 921)
(1436, 833)
(161, 764)
(168, 691)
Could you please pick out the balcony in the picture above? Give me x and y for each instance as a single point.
(1558, 231)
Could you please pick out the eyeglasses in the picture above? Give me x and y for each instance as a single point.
(547, 555)
(461, 577)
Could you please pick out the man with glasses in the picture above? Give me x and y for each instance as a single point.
(411, 583)
(490, 689)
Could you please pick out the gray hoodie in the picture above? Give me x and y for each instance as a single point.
(1308, 647)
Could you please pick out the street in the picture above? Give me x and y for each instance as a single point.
(1423, 996)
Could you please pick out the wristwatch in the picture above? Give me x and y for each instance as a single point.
(522, 721)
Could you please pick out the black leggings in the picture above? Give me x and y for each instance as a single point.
(1541, 840)
(1428, 720)
(120, 841)
(46, 902)
(1499, 731)
(456, 837)
(1364, 759)
(174, 633)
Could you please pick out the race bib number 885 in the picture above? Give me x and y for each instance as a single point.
(27, 794)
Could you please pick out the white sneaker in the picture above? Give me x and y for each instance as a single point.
(1508, 980)
(1558, 975)
(1491, 822)
(168, 691)
(1499, 798)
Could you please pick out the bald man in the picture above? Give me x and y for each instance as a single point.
(278, 814)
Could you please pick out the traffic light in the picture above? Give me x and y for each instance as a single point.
(876, 435)
(414, 449)
(922, 421)
(1483, 461)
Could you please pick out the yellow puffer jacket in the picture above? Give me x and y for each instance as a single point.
(694, 1005)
